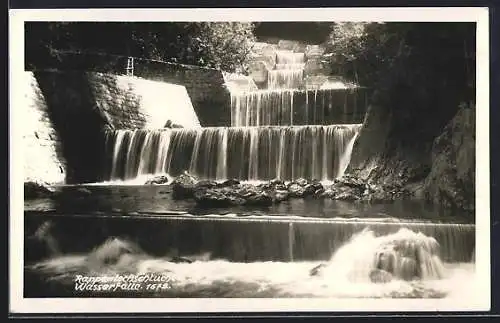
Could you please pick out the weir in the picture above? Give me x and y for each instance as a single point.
(248, 239)
(288, 107)
(249, 153)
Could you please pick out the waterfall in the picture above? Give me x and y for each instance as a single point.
(280, 132)
(288, 72)
(253, 153)
(288, 107)
(288, 78)
(340, 242)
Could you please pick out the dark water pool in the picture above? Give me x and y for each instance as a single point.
(158, 199)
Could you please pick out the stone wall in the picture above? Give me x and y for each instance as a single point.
(316, 73)
(79, 122)
(41, 145)
(81, 105)
(205, 86)
(132, 102)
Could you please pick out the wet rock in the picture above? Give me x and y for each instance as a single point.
(157, 180)
(34, 190)
(276, 182)
(170, 124)
(347, 196)
(184, 186)
(379, 276)
(319, 192)
(233, 195)
(328, 193)
(281, 195)
(259, 199)
(312, 188)
(228, 183)
(205, 184)
(351, 181)
(301, 181)
(295, 190)
(216, 198)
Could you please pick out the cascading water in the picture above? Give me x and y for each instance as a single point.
(288, 107)
(288, 72)
(288, 101)
(282, 133)
(250, 153)
(335, 258)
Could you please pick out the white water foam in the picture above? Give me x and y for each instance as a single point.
(346, 275)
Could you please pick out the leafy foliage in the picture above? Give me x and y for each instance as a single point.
(420, 72)
(426, 55)
(224, 45)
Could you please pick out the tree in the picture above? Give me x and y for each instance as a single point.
(224, 45)
(421, 55)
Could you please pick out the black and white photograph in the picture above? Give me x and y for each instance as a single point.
(249, 159)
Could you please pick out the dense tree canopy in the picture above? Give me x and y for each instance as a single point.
(223, 45)
(427, 55)
(419, 72)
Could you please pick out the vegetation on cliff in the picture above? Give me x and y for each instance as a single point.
(222, 45)
(419, 74)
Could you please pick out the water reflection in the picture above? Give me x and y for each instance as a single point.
(158, 199)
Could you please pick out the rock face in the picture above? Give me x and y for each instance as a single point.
(350, 188)
(435, 161)
(451, 180)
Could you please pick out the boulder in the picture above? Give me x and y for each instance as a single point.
(228, 183)
(170, 124)
(259, 199)
(184, 186)
(301, 181)
(276, 182)
(295, 190)
(205, 184)
(214, 198)
(313, 188)
(157, 180)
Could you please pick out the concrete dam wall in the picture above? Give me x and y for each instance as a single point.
(68, 111)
